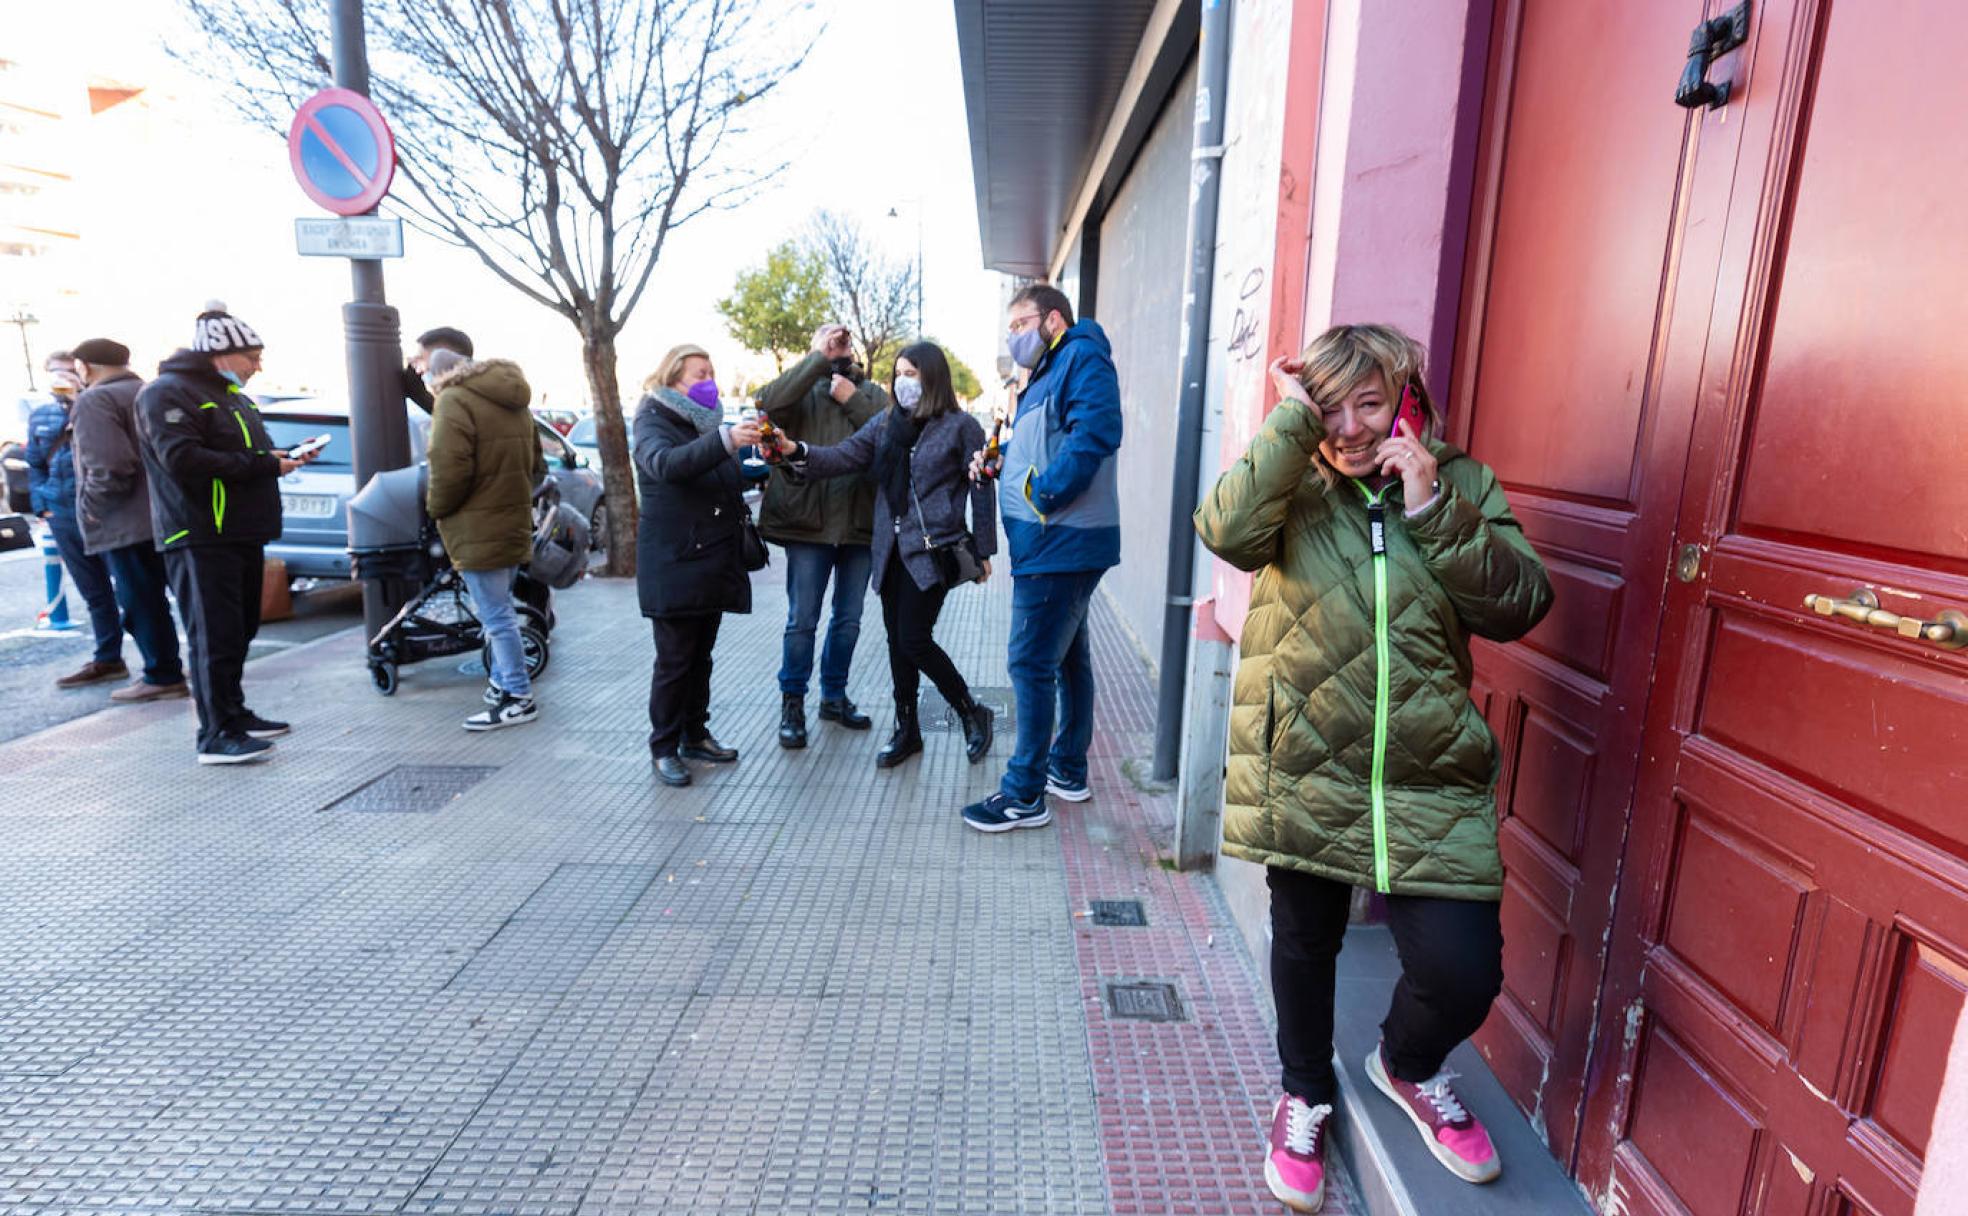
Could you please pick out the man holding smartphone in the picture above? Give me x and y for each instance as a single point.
(215, 501)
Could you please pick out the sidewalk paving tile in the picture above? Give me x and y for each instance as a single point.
(798, 986)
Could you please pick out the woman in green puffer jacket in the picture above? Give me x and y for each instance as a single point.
(1356, 755)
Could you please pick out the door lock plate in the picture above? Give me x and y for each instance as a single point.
(1687, 563)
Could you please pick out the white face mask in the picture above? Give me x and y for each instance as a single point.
(908, 393)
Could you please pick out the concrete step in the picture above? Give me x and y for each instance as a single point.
(1391, 1167)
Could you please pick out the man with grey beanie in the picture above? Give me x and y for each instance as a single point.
(214, 504)
(113, 506)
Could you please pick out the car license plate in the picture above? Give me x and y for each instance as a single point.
(308, 506)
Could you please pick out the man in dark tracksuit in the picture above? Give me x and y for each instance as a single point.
(215, 503)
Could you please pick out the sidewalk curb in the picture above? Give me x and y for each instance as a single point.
(138, 717)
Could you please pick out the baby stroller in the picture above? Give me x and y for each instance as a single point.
(391, 537)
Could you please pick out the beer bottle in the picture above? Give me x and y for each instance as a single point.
(993, 451)
(768, 444)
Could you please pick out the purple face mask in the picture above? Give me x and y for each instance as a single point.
(704, 393)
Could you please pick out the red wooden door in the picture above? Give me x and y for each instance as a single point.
(1559, 387)
(1791, 943)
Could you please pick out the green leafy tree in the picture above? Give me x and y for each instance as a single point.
(962, 379)
(774, 309)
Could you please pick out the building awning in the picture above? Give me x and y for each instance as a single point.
(1040, 82)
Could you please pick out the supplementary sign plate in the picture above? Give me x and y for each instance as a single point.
(355, 236)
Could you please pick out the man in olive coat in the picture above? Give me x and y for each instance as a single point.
(825, 527)
(485, 459)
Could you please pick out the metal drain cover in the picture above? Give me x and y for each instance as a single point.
(413, 788)
(1145, 1001)
(935, 714)
(1117, 912)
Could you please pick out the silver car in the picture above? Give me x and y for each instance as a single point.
(314, 498)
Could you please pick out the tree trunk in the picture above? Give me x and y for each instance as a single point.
(611, 436)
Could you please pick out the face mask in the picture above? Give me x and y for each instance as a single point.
(1027, 348)
(704, 393)
(843, 366)
(234, 377)
(908, 393)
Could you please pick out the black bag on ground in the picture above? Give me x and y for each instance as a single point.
(15, 533)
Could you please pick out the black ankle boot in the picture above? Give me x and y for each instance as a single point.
(845, 712)
(905, 742)
(792, 721)
(977, 723)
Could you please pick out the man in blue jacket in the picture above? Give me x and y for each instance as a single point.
(51, 487)
(1059, 497)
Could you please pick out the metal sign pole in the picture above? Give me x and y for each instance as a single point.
(378, 431)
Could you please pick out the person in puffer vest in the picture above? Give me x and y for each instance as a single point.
(1357, 757)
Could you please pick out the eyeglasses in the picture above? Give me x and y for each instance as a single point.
(1020, 324)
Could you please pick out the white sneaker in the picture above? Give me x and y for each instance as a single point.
(510, 711)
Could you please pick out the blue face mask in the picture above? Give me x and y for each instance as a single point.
(908, 393)
(234, 377)
(1028, 348)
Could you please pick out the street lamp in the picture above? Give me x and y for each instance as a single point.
(892, 214)
(23, 318)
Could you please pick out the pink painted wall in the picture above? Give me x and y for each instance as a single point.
(1380, 123)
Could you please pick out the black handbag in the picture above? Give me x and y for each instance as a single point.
(957, 562)
(751, 546)
(15, 533)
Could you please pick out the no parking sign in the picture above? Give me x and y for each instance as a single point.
(342, 151)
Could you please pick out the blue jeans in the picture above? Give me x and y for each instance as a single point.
(1051, 663)
(91, 578)
(807, 569)
(491, 596)
(140, 582)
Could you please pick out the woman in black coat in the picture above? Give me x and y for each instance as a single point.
(690, 566)
(918, 453)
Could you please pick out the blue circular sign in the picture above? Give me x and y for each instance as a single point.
(342, 151)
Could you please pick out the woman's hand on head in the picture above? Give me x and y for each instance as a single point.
(1405, 456)
(1284, 378)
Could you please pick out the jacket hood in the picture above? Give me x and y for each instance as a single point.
(497, 380)
(1086, 330)
(185, 362)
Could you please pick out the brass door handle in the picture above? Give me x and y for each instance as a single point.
(1949, 629)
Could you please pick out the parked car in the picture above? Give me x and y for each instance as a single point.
(582, 438)
(559, 420)
(314, 498)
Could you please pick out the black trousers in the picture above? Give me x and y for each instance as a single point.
(218, 590)
(1451, 970)
(680, 685)
(909, 614)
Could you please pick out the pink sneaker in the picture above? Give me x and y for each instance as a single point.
(1453, 1134)
(1295, 1167)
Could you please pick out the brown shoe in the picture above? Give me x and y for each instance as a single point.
(94, 672)
(138, 691)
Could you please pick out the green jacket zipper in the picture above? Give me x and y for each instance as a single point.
(1377, 532)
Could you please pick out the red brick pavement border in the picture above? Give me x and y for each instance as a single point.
(1183, 1105)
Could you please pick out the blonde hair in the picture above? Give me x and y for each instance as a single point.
(1346, 356)
(671, 367)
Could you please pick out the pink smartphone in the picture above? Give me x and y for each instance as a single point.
(1409, 411)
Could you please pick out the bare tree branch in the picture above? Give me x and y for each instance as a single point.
(561, 141)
